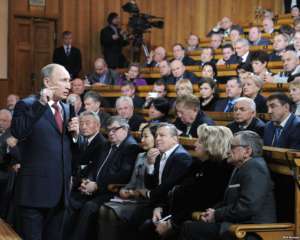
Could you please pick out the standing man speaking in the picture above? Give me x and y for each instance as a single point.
(43, 126)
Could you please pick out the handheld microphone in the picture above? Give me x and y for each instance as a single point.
(72, 101)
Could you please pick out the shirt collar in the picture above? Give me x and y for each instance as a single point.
(283, 123)
(90, 139)
(244, 57)
(169, 152)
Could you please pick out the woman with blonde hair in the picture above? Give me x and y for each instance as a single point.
(205, 183)
(294, 88)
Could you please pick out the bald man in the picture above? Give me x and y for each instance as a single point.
(179, 72)
(102, 75)
(156, 57)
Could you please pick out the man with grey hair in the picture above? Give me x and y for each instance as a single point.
(102, 75)
(125, 109)
(45, 126)
(249, 196)
(156, 56)
(242, 48)
(114, 165)
(244, 114)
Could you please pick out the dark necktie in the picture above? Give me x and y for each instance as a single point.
(277, 133)
(68, 51)
(57, 116)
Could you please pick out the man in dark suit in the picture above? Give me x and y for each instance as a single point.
(206, 56)
(229, 57)
(280, 43)
(112, 40)
(242, 48)
(42, 124)
(249, 196)
(233, 91)
(179, 54)
(284, 128)
(129, 89)
(93, 103)
(102, 75)
(125, 109)
(166, 165)
(68, 56)
(113, 165)
(165, 72)
(189, 115)
(255, 37)
(244, 114)
(156, 56)
(179, 72)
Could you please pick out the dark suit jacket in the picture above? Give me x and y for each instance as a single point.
(44, 177)
(256, 125)
(112, 49)
(249, 196)
(104, 116)
(200, 119)
(261, 104)
(138, 102)
(186, 75)
(176, 166)
(135, 122)
(261, 42)
(274, 57)
(72, 62)
(210, 106)
(110, 77)
(187, 61)
(289, 137)
(221, 105)
(232, 60)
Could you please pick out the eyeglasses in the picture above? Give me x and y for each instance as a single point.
(233, 146)
(113, 130)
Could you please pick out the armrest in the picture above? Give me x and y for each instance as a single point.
(115, 188)
(240, 230)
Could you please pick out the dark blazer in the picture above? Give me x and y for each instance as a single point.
(232, 60)
(249, 196)
(111, 77)
(152, 64)
(199, 189)
(135, 122)
(104, 116)
(210, 106)
(289, 137)
(274, 57)
(176, 166)
(112, 49)
(200, 119)
(186, 75)
(72, 62)
(261, 42)
(44, 177)
(261, 104)
(248, 59)
(138, 102)
(188, 61)
(221, 105)
(256, 125)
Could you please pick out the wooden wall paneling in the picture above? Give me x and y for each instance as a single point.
(170, 23)
(199, 18)
(212, 14)
(157, 35)
(69, 19)
(20, 6)
(52, 8)
(183, 20)
(3, 92)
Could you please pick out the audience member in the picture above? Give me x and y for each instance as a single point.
(242, 50)
(184, 87)
(180, 55)
(92, 103)
(11, 101)
(206, 56)
(295, 11)
(159, 110)
(209, 70)
(193, 43)
(296, 24)
(159, 89)
(233, 91)
(114, 164)
(102, 75)
(255, 38)
(208, 94)
(229, 56)
(216, 40)
(112, 40)
(252, 86)
(77, 87)
(252, 202)
(244, 114)
(132, 76)
(259, 62)
(156, 56)
(236, 33)
(189, 115)
(129, 90)
(284, 127)
(68, 56)
(179, 72)
(125, 109)
(268, 25)
(280, 43)
(224, 27)
(296, 42)
(294, 88)
(165, 71)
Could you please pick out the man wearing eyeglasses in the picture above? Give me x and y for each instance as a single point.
(113, 166)
(249, 195)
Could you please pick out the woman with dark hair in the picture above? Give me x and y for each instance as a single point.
(114, 213)
(259, 62)
(208, 94)
(133, 75)
(209, 70)
(158, 110)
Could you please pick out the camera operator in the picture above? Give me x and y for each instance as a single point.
(112, 40)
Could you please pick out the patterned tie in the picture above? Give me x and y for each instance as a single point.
(276, 137)
(57, 116)
(229, 106)
(68, 51)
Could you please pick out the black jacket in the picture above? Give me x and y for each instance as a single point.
(135, 122)
(186, 75)
(256, 125)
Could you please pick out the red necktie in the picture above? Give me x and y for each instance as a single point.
(57, 116)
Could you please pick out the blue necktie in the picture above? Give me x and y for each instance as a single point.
(276, 137)
(229, 106)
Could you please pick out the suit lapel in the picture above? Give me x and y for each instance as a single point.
(284, 131)
(50, 117)
(168, 164)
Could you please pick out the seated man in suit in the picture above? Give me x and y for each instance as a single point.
(125, 109)
(216, 40)
(156, 56)
(11, 102)
(193, 43)
(255, 37)
(179, 72)
(233, 91)
(180, 55)
(244, 114)
(189, 115)
(129, 89)
(102, 75)
(113, 164)
(92, 103)
(165, 71)
(249, 196)
(68, 56)
(206, 56)
(159, 89)
(242, 48)
(229, 56)
(166, 165)
(268, 25)
(78, 87)
(280, 43)
(284, 127)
